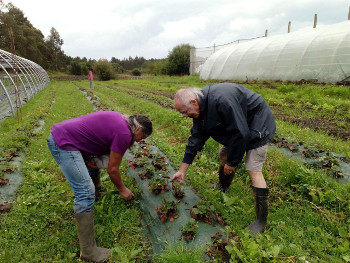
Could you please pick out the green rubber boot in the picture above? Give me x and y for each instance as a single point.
(261, 200)
(89, 251)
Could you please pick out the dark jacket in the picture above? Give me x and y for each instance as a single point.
(233, 116)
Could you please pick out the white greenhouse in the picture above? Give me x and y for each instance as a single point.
(321, 54)
(20, 80)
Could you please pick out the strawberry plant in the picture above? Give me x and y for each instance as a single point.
(189, 230)
(178, 191)
(202, 211)
(143, 150)
(167, 210)
(160, 163)
(158, 184)
(3, 181)
(139, 162)
(149, 172)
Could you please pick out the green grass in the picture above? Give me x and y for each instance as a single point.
(179, 254)
(40, 226)
(309, 214)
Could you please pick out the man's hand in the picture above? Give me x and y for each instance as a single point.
(178, 177)
(126, 194)
(229, 169)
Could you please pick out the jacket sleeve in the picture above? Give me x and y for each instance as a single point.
(234, 116)
(195, 142)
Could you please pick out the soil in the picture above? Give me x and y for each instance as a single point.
(317, 124)
(329, 126)
(94, 100)
(156, 92)
(70, 77)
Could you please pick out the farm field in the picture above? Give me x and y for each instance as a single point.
(309, 217)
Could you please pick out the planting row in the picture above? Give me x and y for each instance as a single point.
(301, 198)
(40, 226)
(183, 213)
(334, 169)
(288, 102)
(309, 213)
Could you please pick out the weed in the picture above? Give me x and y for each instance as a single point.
(180, 254)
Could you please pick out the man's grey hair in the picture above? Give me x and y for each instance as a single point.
(184, 95)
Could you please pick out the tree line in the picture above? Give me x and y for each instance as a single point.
(19, 36)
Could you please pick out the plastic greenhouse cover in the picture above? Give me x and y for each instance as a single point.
(321, 54)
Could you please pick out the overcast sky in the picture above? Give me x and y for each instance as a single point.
(151, 28)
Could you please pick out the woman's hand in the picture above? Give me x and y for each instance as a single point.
(115, 159)
(126, 193)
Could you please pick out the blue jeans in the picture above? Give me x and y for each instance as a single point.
(77, 174)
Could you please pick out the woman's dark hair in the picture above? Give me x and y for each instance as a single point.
(138, 120)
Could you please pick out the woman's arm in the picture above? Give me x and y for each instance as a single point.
(115, 159)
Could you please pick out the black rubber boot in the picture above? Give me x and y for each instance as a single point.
(89, 251)
(261, 200)
(225, 180)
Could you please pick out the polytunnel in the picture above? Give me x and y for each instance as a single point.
(20, 80)
(321, 54)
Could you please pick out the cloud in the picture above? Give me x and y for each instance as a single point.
(151, 28)
(183, 29)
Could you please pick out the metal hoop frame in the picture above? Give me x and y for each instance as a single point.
(19, 77)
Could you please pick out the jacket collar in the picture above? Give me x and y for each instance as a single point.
(204, 100)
